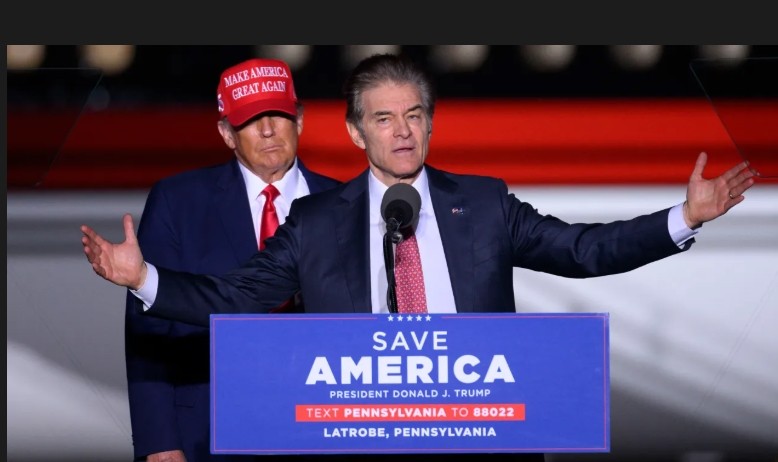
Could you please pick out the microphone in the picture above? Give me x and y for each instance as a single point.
(400, 207)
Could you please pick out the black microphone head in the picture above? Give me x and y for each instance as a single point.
(401, 203)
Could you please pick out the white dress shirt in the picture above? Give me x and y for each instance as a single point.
(291, 186)
(437, 284)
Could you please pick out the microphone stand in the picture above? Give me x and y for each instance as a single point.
(392, 236)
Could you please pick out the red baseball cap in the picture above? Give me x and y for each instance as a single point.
(253, 87)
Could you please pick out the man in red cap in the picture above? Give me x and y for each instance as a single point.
(211, 220)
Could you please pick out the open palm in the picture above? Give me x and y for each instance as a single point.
(709, 199)
(120, 263)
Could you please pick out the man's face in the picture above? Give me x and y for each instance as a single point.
(396, 132)
(266, 144)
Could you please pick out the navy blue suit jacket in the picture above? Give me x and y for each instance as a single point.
(322, 249)
(198, 221)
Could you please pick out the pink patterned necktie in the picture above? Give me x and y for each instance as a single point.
(409, 278)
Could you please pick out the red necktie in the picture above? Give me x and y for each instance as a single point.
(267, 227)
(269, 222)
(409, 278)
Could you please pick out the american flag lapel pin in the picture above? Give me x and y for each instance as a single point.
(458, 211)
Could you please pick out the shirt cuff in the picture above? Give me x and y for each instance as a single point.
(147, 293)
(676, 225)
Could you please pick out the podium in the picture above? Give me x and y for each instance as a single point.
(437, 383)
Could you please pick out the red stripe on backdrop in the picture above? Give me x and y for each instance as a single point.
(522, 141)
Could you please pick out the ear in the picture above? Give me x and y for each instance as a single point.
(299, 124)
(227, 135)
(356, 137)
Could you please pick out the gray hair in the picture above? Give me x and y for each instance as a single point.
(382, 68)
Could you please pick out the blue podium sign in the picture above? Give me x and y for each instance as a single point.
(365, 383)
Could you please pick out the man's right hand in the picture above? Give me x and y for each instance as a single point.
(122, 263)
(167, 456)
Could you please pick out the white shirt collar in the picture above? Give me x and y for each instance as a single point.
(287, 185)
(377, 190)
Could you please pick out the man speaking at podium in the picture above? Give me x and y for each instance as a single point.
(469, 234)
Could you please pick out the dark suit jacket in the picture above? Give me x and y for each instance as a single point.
(322, 249)
(198, 221)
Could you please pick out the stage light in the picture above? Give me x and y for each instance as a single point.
(111, 59)
(353, 54)
(458, 58)
(23, 57)
(636, 57)
(547, 58)
(296, 56)
(727, 54)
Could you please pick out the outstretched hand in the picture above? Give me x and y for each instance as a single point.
(709, 199)
(121, 263)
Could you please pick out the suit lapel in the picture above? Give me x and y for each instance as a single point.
(454, 217)
(233, 211)
(352, 232)
(314, 183)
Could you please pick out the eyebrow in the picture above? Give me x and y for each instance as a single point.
(414, 108)
(382, 113)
